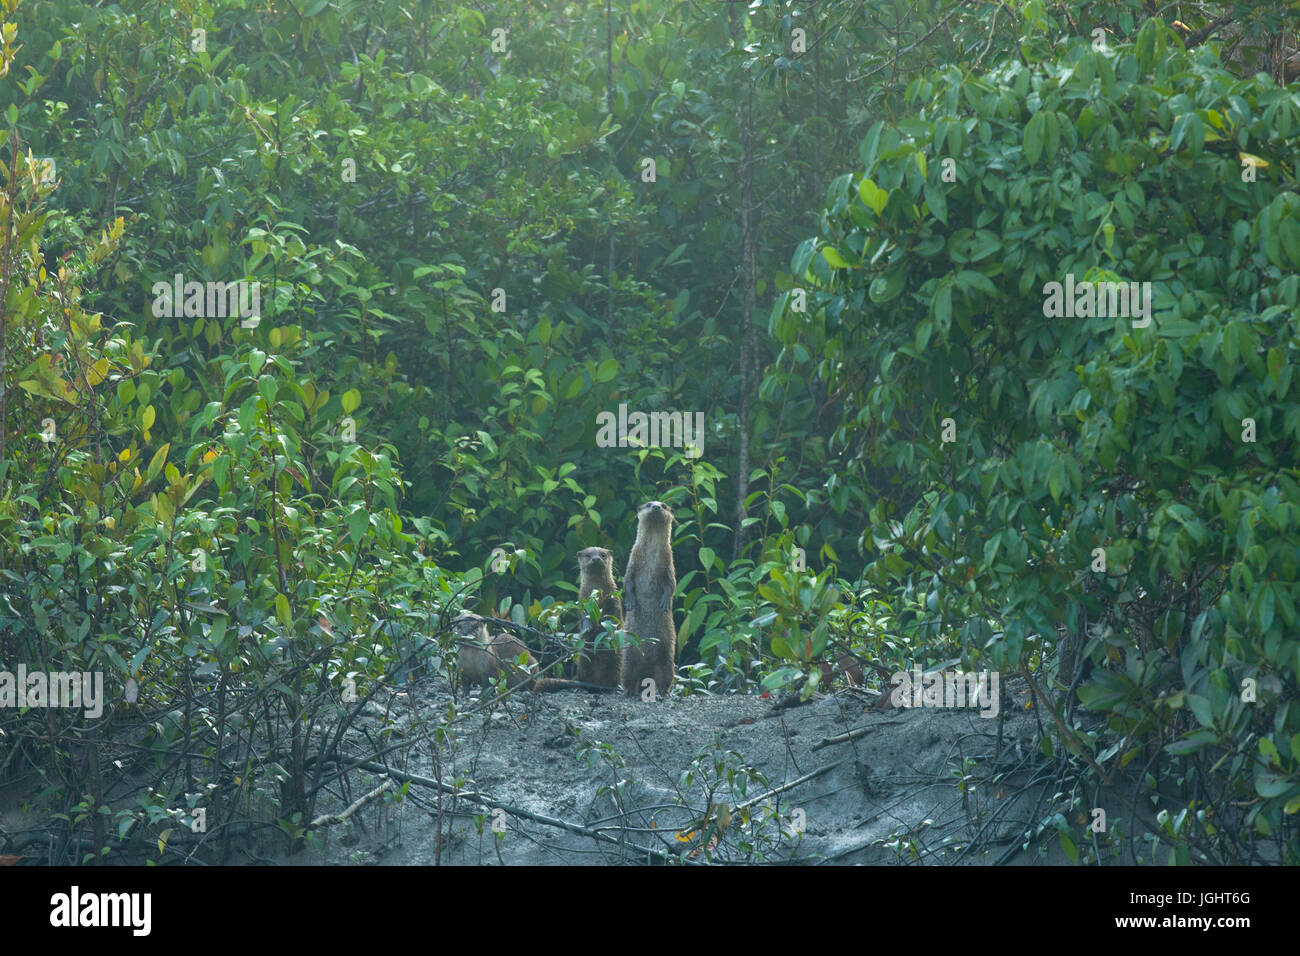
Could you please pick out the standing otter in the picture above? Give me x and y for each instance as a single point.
(648, 590)
(598, 665)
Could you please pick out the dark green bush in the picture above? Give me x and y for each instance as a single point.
(1129, 490)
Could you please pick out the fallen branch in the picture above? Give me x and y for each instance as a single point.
(788, 786)
(487, 801)
(332, 818)
(851, 735)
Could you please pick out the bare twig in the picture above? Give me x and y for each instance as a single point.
(332, 818)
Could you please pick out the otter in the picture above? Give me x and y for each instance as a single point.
(846, 664)
(598, 665)
(648, 590)
(484, 657)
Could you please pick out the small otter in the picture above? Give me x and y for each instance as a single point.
(598, 665)
(847, 665)
(648, 590)
(484, 657)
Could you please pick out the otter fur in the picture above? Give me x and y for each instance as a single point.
(484, 657)
(648, 590)
(598, 665)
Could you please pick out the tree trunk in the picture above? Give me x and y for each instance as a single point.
(609, 107)
(748, 345)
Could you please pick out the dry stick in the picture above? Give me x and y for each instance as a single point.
(846, 737)
(788, 786)
(841, 738)
(328, 819)
(487, 801)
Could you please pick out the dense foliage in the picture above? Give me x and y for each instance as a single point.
(1133, 477)
(477, 227)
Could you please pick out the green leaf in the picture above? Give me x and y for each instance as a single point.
(1269, 785)
(1264, 607)
(607, 370)
(156, 463)
(351, 401)
(1200, 706)
(924, 328)
(942, 308)
(886, 288)
(1052, 124)
(282, 610)
(802, 257)
(1068, 846)
(1178, 132)
(217, 633)
(1196, 741)
(357, 525)
(1288, 233)
(937, 202)
(1056, 479)
(833, 256)
(1035, 130)
(873, 196)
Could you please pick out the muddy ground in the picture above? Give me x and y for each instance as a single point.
(577, 777)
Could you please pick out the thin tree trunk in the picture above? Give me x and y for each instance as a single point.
(819, 118)
(6, 270)
(748, 344)
(609, 106)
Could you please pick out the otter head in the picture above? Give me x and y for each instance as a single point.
(655, 515)
(468, 625)
(594, 557)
